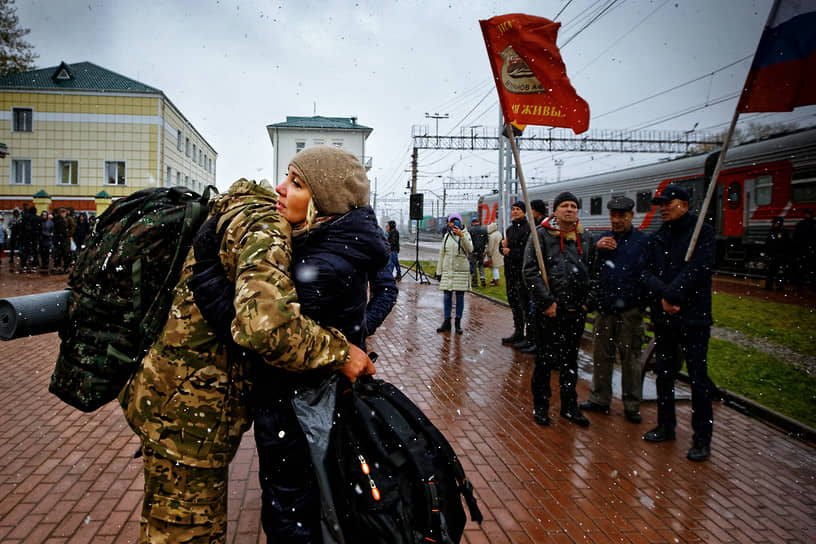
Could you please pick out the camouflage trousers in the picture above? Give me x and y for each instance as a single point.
(183, 504)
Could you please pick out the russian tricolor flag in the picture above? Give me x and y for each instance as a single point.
(783, 75)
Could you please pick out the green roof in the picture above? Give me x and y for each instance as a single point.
(333, 123)
(84, 76)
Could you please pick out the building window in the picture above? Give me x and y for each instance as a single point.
(23, 119)
(178, 179)
(200, 158)
(300, 146)
(187, 181)
(210, 170)
(178, 140)
(68, 172)
(115, 172)
(187, 146)
(195, 155)
(337, 143)
(169, 178)
(644, 202)
(596, 205)
(21, 172)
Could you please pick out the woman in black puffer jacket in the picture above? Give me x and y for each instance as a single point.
(338, 251)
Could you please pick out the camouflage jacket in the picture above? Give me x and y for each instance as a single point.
(188, 401)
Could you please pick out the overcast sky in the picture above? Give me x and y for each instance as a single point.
(235, 66)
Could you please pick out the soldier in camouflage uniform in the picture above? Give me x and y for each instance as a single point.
(187, 402)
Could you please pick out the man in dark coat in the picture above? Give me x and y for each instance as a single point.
(513, 249)
(680, 300)
(618, 323)
(394, 246)
(777, 246)
(804, 250)
(561, 304)
(478, 235)
(31, 227)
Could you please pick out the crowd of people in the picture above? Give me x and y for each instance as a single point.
(618, 275)
(45, 242)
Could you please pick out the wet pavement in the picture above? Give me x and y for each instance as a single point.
(66, 476)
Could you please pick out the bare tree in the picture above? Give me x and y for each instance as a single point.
(16, 54)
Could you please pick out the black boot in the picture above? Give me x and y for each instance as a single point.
(541, 413)
(516, 337)
(445, 327)
(458, 322)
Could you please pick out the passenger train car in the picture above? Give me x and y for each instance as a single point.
(758, 182)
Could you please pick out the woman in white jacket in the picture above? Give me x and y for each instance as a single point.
(453, 268)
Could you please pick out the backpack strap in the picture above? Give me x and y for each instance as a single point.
(398, 398)
(195, 212)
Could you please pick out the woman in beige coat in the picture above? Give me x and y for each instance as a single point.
(453, 268)
(493, 252)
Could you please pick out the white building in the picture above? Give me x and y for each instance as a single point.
(298, 133)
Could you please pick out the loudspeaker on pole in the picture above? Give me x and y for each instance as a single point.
(416, 205)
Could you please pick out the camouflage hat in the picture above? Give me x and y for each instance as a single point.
(335, 177)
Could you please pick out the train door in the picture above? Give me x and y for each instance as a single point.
(732, 206)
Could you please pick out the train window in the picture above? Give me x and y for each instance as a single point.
(763, 190)
(803, 185)
(644, 202)
(734, 195)
(596, 205)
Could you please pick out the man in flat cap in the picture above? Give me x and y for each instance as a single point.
(680, 301)
(619, 320)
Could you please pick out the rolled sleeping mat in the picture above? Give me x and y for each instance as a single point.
(29, 315)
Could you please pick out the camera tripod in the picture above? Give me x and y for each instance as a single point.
(419, 274)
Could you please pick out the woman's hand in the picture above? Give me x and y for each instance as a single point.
(358, 364)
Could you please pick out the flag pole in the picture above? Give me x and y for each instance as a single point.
(721, 159)
(711, 186)
(534, 234)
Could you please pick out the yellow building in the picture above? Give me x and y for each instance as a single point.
(79, 135)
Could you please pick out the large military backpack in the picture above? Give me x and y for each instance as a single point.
(395, 478)
(122, 288)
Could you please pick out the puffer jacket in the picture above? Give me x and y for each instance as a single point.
(453, 263)
(570, 259)
(188, 401)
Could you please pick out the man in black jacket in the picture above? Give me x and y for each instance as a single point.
(680, 294)
(513, 249)
(561, 304)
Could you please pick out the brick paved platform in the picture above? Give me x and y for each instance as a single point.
(67, 477)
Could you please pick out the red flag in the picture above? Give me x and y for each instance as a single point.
(783, 74)
(530, 76)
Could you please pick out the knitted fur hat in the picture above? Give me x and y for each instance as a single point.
(335, 177)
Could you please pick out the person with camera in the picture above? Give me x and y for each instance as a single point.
(453, 270)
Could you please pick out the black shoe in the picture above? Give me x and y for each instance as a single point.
(632, 417)
(529, 349)
(445, 327)
(576, 417)
(516, 337)
(458, 326)
(590, 406)
(658, 434)
(541, 416)
(699, 452)
(523, 343)
(484, 284)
